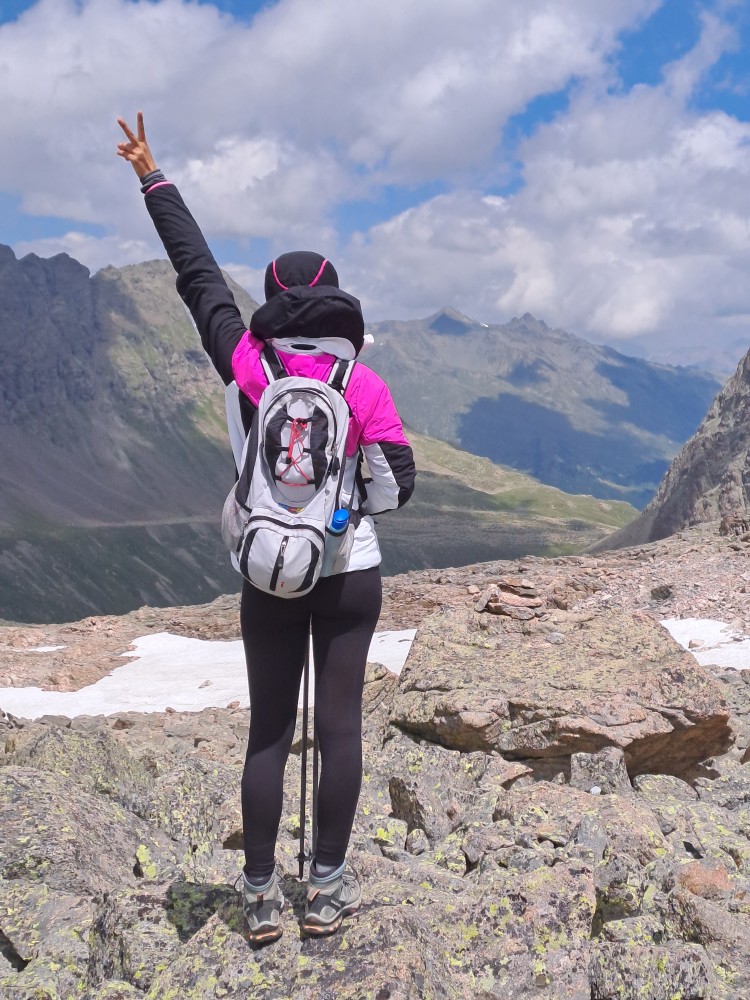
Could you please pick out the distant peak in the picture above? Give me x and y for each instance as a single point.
(531, 319)
(450, 321)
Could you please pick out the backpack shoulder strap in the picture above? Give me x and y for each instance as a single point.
(341, 374)
(271, 364)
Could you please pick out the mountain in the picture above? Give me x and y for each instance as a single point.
(467, 509)
(108, 405)
(709, 478)
(114, 461)
(572, 414)
(113, 453)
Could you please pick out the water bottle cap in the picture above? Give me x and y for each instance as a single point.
(340, 519)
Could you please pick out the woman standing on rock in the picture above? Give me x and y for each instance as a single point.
(341, 611)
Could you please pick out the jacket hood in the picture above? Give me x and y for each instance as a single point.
(308, 313)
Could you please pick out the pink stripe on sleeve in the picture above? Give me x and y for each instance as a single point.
(159, 184)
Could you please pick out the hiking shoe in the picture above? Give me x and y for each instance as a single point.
(263, 908)
(329, 900)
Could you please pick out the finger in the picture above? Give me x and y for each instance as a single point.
(141, 129)
(123, 125)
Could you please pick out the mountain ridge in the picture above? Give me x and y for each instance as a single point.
(575, 415)
(709, 479)
(112, 424)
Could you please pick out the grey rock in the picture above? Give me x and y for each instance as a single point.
(731, 790)
(591, 837)
(431, 788)
(605, 770)
(94, 760)
(659, 973)
(52, 832)
(623, 682)
(417, 842)
(705, 481)
(137, 931)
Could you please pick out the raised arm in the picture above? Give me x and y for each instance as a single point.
(200, 282)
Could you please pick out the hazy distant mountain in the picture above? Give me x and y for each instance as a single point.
(574, 415)
(709, 478)
(114, 460)
(712, 354)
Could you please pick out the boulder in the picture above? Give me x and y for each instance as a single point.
(617, 680)
(45, 934)
(137, 932)
(52, 832)
(651, 973)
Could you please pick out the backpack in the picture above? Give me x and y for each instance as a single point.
(290, 480)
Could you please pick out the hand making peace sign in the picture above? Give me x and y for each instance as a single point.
(136, 150)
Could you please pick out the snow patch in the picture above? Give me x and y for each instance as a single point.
(172, 671)
(714, 643)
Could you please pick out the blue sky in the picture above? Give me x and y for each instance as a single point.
(585, 162)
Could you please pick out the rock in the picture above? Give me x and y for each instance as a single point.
(555, 812)
(95, 761)
(626, 887)
(430, 789)
(417, 842)
(622, 682)
(54, 833)
(591, 838)
(377, 699)
(665, 795)
(138, 931)
(709, 881)
(527, 885)
(641, 930)
(726, 938)
(113, 990)
(193, 801)
(731, 790)
(46, 933)
(716, 836)
(653, 973)
(604, 770)
(705, 481)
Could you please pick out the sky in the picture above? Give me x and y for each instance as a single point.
(586, 162)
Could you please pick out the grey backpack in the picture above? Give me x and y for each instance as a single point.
(290, 480)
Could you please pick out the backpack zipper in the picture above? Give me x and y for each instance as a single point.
(279, 563)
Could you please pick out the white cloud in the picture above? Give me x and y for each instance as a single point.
(632, 220)
(411, 91)
(94, 251)
(265, 188)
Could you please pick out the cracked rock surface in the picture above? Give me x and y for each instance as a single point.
(555, 804)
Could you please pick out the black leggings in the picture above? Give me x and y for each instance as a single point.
(342, 612)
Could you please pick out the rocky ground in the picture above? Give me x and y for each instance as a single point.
(555, 804)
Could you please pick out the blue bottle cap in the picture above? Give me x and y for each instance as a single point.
(340, 520)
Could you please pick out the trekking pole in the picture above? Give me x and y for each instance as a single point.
(314, 835)
(302, 856)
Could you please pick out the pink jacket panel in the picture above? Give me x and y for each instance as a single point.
(374, 416)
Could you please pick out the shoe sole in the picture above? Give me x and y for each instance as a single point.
(264, 936)
(321, 930)
(266, 932)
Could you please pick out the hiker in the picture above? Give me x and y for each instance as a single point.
(311, 323)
